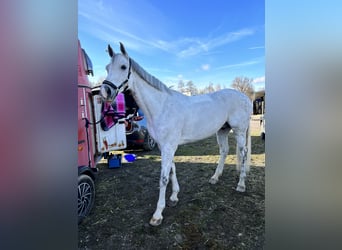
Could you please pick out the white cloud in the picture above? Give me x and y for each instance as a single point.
(247, 63)
(260, 79)
(112, 26)
(257, 47)
(205, 67)
(195, 46)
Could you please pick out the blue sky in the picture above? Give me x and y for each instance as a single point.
(202, 41)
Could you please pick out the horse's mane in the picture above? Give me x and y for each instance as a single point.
(150, 79)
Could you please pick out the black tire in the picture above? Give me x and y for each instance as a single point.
(149, 143)
(86, 196)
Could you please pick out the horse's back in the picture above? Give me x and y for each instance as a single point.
(224, 103)
(232, 94)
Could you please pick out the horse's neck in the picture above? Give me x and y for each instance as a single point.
(150, 100)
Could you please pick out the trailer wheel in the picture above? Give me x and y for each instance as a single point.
(86, 196)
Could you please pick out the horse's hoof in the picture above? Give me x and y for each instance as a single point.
(213, 180)
(240, 188)
(171, 203)
(156, 222)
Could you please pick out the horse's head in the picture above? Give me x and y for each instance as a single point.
(118, 74)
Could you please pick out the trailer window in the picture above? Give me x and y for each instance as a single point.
(88, 65)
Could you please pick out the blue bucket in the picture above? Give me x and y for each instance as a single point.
(130, 157)
(114, 161)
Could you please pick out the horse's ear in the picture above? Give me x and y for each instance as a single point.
(110, 51)
(123, 50)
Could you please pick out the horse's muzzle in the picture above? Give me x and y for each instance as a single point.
(105, 92)
(108, 90)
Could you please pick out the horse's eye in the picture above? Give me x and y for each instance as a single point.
(123, 67)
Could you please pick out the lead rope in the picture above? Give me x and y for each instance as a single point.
(87, 123)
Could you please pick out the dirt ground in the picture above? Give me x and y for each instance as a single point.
(206, 217)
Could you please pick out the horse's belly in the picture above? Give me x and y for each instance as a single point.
(199, 131)
(186, 140)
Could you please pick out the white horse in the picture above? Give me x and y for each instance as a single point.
(174, 119)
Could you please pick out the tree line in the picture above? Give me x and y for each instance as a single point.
(241, 83)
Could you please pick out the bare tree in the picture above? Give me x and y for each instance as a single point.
(191, 88)
(244, 84)
(207, 89)
(217, 87)
(211, 87)
(181, 86)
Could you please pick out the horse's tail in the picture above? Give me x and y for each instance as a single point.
(249, 148)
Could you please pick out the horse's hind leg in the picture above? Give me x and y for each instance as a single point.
(222, 140)
(242, 159)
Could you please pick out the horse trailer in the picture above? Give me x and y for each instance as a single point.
(259, 109)
(98, 132)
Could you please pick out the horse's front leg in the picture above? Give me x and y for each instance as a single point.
(167, 153)
(175, 187)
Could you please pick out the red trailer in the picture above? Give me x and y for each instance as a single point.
(96, 136)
